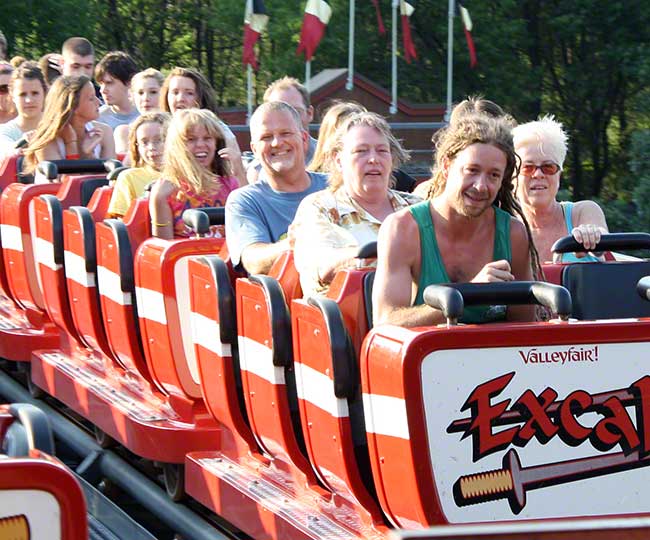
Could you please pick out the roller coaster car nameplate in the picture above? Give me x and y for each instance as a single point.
(539, 432)
(29, 514)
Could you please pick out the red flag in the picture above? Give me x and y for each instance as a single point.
(407, 7)
(317, 15)
(380, 21)
(255, 21)
(467, 26)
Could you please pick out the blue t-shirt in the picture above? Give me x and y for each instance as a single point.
(258, 213)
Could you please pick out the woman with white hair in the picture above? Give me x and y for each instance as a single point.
(542, 147)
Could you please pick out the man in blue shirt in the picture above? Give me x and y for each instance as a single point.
(258, 216)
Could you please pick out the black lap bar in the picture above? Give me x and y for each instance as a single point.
(608, 242)
(554, 297)
(200, 219)
(116, 172)
(368, 251)
(76, 166)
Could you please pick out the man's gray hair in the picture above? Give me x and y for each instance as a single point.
(275, 106)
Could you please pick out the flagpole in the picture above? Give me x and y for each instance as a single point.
(350, 83)
(307, 74)
(393, 105)
(249, 93)
(450, 57)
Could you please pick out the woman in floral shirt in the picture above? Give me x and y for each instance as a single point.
(332, 224)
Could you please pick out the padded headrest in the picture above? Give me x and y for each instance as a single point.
(88, 188)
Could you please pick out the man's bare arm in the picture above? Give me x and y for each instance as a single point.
(392, 290)
(259, 257)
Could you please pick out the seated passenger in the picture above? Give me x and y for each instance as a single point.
(332, 224)
(145, 89)
(68, 129)
(28, 89)
(542, 147)
(114, 73)
(185, 88)
(7, 109)
(467, 232)
(77, 57)
(258, 216)
(331, 121)
(196, 172)
(292, 92)
(146, 147)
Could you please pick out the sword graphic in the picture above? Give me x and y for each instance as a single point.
(513, 481)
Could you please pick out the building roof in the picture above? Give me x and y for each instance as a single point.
(331, 81)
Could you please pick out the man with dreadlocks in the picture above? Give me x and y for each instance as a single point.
(471, 229)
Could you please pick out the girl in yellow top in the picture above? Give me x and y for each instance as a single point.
(146, 146)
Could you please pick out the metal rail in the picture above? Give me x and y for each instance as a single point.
(98, 461)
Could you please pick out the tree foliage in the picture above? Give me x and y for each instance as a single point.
(584, 61)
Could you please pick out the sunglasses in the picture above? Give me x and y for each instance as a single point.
(528, 169)
(4, 88)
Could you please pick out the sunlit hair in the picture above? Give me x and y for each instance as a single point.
(269, 107)
(476, 104)
(480, 128)
(61, 103)
(330, 122)
(153, 117)
(372, 120)
(28, 71)
(546, 134)
(205, 97)
(17, 61)
(284, 84)
(149, 73)
(180, 164)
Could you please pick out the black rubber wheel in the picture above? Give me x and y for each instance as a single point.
(174, 475)
(104, 439)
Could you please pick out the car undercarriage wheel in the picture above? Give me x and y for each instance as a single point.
(174, 475)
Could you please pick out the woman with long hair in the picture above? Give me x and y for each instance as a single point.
(146, 146)
(28, 89)
(68, 128)
(186, 88)
(197, 172)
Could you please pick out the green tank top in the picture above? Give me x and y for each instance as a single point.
(432, 269)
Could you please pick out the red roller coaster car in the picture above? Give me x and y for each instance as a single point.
(294, 418)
